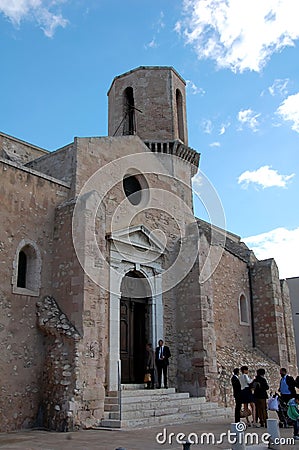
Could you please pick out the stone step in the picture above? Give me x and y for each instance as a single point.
(147, 392)
(146, 407)
(111, 423)
(111, 401)
(164, 407)
(154, 398)
(132, 387)
(112, 394)
(111, 408)
(171, 408)
(166, 403)
(111, 415)
(181, 413)
(171, 419)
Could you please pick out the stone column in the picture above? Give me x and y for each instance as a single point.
(158, 313)
(114, 358)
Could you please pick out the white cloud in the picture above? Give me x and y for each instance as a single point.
(207, 126)
(194, 89)
(215, 144)
(240, 35)
(265, 177)
(158, 26)
(249, 118)
(161, 23)
(36, 10)
(223, 128)
(279, 87)
(151, 44)
(282, 245)
(289, 110)
(197, 182)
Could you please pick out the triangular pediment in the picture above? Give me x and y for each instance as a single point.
(138, 236)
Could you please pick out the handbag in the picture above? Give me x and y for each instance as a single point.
(273, 404)
(245, 413)
(147, 378)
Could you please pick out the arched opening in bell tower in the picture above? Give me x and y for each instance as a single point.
(180, 116)
(129, 112)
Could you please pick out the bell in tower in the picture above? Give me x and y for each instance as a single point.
(149, 102)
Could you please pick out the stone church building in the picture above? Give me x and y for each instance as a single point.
(100, 253)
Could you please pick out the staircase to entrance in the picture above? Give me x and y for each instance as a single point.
(135, 406)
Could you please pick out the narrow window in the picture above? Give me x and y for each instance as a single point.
(22, 270)
(180, 117)
(243, 308)
(26, 277)
(129, 112)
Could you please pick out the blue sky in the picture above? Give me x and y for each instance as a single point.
(241, 64)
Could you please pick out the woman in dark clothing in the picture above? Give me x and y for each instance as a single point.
(150, 365)
(260, 387)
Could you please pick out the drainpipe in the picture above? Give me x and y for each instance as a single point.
(251, 304)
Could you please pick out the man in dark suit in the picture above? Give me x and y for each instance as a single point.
(162, 356)
(237, 393)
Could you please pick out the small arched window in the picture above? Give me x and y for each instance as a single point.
(180, 116)
(22, 270)
(129, 112)
(27, 269)
(243, 310)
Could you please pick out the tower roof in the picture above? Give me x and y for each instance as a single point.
(169, 68)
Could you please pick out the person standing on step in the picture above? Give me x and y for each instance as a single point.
(150, 365)
(260, 386)
(237, 394)
(162, 361)
(246, 394)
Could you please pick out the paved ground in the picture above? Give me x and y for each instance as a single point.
(141, 439)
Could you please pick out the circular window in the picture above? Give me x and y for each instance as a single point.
(132, 189)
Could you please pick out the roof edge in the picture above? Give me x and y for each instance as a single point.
(146, 68)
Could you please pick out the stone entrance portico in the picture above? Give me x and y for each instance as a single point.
(134, 249)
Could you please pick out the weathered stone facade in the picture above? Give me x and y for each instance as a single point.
(293, 286)
(90, 272)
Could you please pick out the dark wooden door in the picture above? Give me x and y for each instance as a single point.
(132, 339)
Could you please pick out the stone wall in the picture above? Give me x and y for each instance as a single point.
(289, 326)
(196, 340)
(293, 285)
(74, 370)
(85, 303)
(67, 275)
(230, 281)
(21, 359)
(269, 323)
(57, 408)
(209, 313)
(27, 210)
(18, 151)
(58, 164)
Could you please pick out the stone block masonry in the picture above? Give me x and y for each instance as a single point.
(58, 404)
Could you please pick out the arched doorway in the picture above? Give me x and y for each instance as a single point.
(134, 326)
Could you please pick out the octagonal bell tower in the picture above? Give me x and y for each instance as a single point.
(149, 102)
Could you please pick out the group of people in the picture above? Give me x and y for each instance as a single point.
(157, 361)
(251, 397)
(250, 392)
